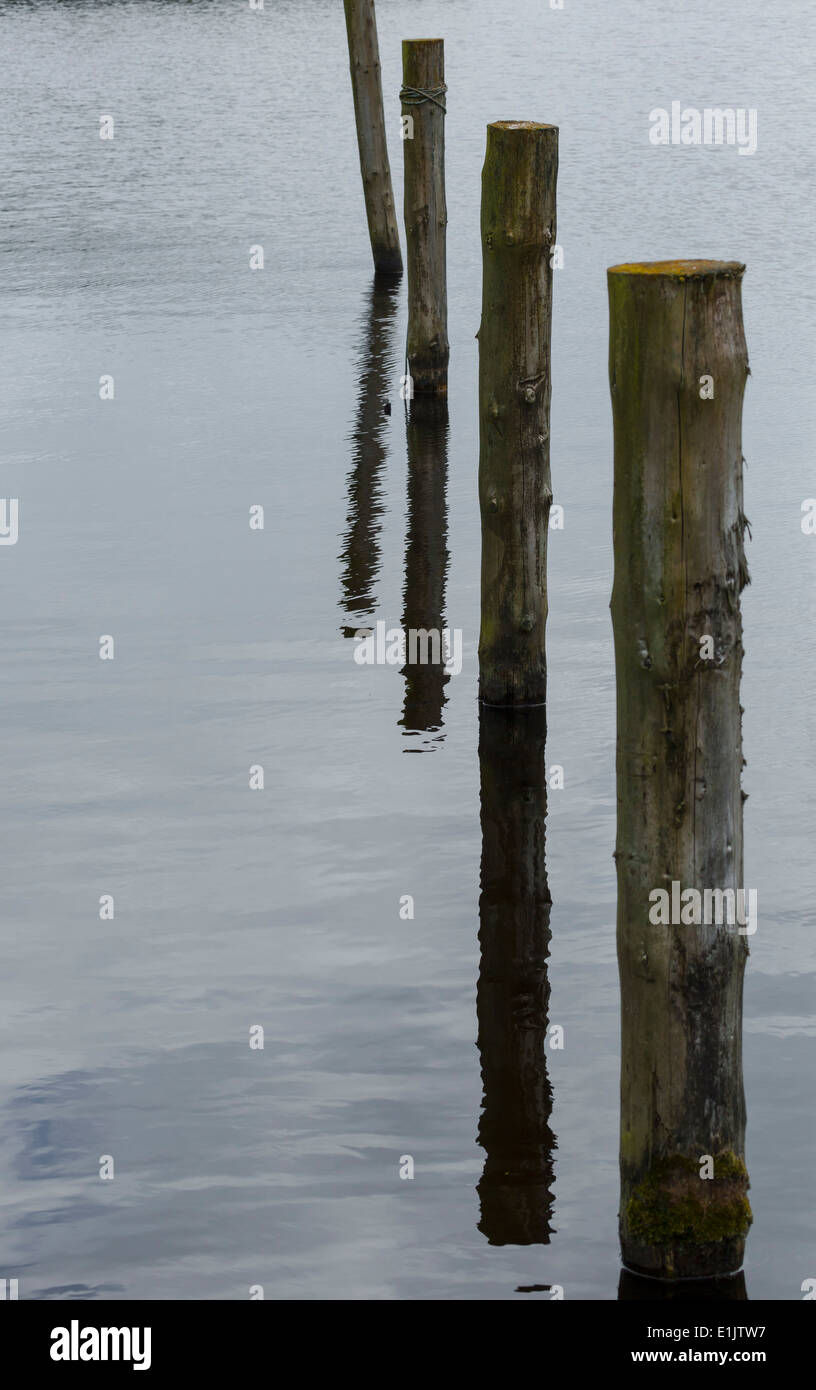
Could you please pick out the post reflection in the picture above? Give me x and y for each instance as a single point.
(426, 567)
(724, 1289)
(377, 366)
(515, 1189)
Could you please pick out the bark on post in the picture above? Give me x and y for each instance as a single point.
(426, 216)
(678, 366)
(518, 237)
(366, 83)
(513, 994)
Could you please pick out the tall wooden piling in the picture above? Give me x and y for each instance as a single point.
(426, 216)
(366, 84)
(512, 998)
(678, 366)
(518, 237)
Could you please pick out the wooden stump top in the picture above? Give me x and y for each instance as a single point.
(679, 270)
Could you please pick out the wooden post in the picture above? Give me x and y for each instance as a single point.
(426, 566)
(518, 238)
(512, 998)
(376, 369)
(426, 216)
(366, 84)
(678, 366)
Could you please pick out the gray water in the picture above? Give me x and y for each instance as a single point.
(234, 908)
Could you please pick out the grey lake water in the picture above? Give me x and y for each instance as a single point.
(235, 908)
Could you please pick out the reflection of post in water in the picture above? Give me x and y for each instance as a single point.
(728, 1288)
(377, 371)
(513, 991)
(426, 565)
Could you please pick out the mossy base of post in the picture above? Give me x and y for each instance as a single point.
(698, 1226)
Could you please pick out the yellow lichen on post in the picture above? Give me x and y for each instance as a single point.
(679, 270)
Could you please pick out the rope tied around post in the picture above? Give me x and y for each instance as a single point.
(414, 96)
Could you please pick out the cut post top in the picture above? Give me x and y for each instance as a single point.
(521, 125)
(423, 62)
(680, 270)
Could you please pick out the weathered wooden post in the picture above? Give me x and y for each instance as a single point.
(426, 566)
(513, 993)
(376, 368)
(366, 84)
(518, 238)
(426, 216)
(678, 366)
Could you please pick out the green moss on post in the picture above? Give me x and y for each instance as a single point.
(366, 83)
(426, 214)
(674, 1206)
(518, 238)
(678, 366)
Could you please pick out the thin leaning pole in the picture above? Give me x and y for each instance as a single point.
(366, 84)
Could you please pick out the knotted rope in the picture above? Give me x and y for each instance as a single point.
(414, 96)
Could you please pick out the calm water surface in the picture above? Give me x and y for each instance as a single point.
(282, 908)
